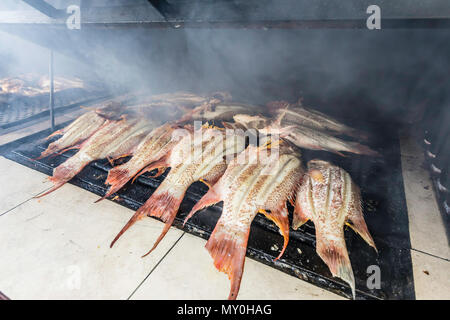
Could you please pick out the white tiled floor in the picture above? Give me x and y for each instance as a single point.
(58, 247)
(187, 272)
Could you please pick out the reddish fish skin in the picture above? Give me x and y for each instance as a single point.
(329, 197)
(151, 149)
(191, 159)
(114, 139)
(79, 130)
(247, 188)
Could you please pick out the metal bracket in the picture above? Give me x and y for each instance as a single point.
(168, 11)
(45, 8)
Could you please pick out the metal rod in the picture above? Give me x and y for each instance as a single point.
(51, 101)
(45, 8)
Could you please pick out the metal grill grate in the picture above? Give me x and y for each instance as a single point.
(15, 109)
(384, 203)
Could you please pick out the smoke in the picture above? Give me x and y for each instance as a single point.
(361, 73)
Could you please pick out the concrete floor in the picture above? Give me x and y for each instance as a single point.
(58, 247)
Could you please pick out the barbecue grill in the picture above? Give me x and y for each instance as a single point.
(375, 80)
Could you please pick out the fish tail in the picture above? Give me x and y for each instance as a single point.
(358, 148)
(228, 252)
(163, 204)
(64, 172)
(299, 217)
(137, 216)
(334, 254)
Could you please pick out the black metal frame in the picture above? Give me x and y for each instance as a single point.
(252, 14)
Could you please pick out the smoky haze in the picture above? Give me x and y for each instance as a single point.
(373, 74)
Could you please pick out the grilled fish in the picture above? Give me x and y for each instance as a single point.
(249, 187)
(198, 156)
(153, 147)
(329, 197)
(297, 114)
(217, 110)
(75, 133)
(33, 84)
(112, 140)
(302, 136)
(308, 138)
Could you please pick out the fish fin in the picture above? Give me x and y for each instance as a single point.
(137, 216)
(52, 150)
(337, 152)
(210, 198)
(299, 217)
(75, 147)
(228, 251)
(227, 125)
(122, 156)
(358, 148)
(280, 218)
(163, 204)
(57, 185)
(56, 133)
(161, 165)
(117, 178)
(334, 254)
(356, 134)
(360, 227)
(356, 217)
(64, 172)
(205, 182)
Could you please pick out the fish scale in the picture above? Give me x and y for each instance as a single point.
(187, 166)
(102, 144)
(154, 146)
(246, 188)
(329, 198)
(76, 132)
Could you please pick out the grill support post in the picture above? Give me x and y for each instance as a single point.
(51, 100)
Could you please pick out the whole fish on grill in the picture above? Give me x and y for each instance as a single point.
(251, 184)
(308, 138)
(329, 197)
(200, 155)
(152, 148)
(297, 114)
(303, 137)
(217, 110)
(187, 99)
(113, 140)
(75, 133)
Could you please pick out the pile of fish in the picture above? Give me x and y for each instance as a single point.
(249, 176)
